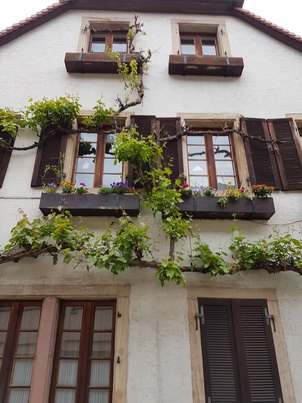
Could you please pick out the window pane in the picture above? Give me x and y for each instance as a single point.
(73, 317)
(70, 344)
(65, 396)
(22, 372)
(4, 317)
(85, 178)
(99, 396)
(108, 179)
(223, 182)
(109, 166)
(68, 372)
(199, 181)
(110, 138)
(26, 344)
(195, 139)
(222, 152)
(30, 317)
(119, 47)
(198, 167)
(224, 168)
(208, 46)
(187, 45)
(86, 165)
(91, 137)
(86, 148)
(196, 152)
(100, 373)
(97, 47)
(103, 318)
(2, 341)
(18, 395)
(101, 347)
(221, 140)
(108, 150)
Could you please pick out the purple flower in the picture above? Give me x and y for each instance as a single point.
(51, 185)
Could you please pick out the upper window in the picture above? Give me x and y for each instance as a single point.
(19, 323)
(211, 161)
(103, 40)
(94, 161)
(83, 363)
(198, 44)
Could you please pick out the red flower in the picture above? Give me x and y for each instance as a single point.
(185, 186)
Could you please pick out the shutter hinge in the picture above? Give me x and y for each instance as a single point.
(270, 318)
(199, 316)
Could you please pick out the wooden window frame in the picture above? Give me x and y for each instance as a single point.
(109, 39)
(210, 157)
(99, 159)
(198, 36)
(84, 360)
(193, 293)
(11, 342)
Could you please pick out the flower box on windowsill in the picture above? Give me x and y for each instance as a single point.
(244, 209)
(95, 62)
(193, 65)
(89, 204)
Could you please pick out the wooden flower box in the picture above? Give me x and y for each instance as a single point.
(244, 209)
(89, 204)
(192, 65)
(96, 62)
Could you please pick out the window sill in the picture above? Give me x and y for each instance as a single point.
(192, 65)
(243, 209)
(95, 62)
(90, 204)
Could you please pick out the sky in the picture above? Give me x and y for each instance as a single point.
(285, 13)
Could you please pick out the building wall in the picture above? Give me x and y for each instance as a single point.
(159, 368)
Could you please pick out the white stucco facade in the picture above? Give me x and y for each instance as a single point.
(159, 359)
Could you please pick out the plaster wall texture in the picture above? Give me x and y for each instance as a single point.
(159, 368)
(37, 71)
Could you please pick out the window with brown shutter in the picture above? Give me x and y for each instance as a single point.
(19, 323)
(172, 149)
(51, 152)
(277, 160)
(238, 353)
(83, 362)
(5, 155)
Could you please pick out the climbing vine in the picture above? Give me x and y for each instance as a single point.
(125, 244)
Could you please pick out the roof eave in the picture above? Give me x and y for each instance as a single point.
(282, 35)
(34, 21)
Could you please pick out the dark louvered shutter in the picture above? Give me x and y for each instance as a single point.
(172, 154)
(260, 155)
(257, 359)
(49, 153)
(288, 153)
(218, 351)
(239, 357)
(5, 155)
(145, 127)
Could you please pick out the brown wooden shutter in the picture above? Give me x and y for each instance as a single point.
(145, 127)
(288, 153)
(218, 352)
(260, 156)
(255, 347)
(172, 154)
(49, 154)
(238, 352)
(5, 155)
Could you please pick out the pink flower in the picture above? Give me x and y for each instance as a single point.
(82, 184)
